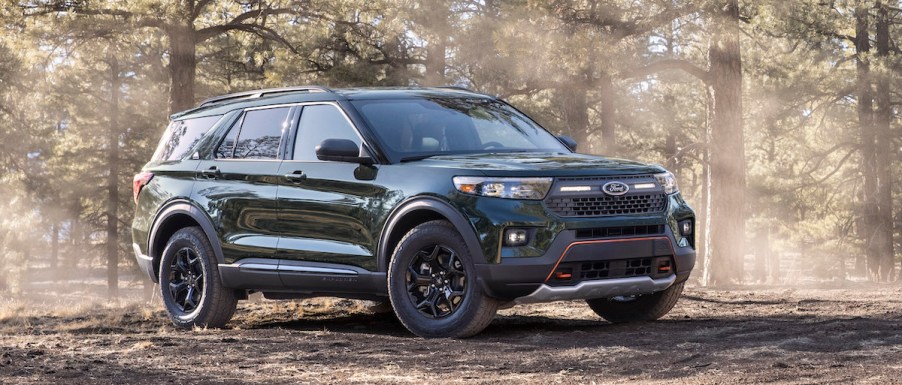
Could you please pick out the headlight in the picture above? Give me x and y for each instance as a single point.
(513, 188)
(668, 182)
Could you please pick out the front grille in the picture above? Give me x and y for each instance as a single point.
(619, 231)
(621, 269)
(604, 205)
(654, 267)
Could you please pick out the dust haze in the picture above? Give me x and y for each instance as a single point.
(779, 118)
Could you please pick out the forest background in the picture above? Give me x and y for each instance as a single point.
(779, 118)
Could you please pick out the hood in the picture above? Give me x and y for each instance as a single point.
(540, 164)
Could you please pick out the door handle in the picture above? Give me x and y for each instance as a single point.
(296, 177)
(212, 173)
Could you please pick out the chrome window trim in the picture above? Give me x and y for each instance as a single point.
(297, 130)
(296, 127)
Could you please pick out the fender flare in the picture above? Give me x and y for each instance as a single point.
(182, 207)
(457, 219)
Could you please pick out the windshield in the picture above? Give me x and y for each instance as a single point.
(418, 128)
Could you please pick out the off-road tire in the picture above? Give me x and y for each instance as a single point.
(473, 313)
(647, 307)
(216, 304)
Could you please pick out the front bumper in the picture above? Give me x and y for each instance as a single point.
(602, 288)
(529, 279)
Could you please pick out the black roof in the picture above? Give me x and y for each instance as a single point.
(287, 95)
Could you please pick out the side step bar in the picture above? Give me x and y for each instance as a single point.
(305, 277)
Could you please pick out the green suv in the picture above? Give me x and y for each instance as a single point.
(445, 203)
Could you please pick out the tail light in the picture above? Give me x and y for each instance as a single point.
(141, 180)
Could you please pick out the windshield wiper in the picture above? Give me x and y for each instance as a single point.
(417, 157)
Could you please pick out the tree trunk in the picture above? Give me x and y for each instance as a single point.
(869, 210)
(726, 223)
(112, 212)
(883, 231)
(435, 63)
(705, 213)
(436, 20)
(54, 249)
(182, 68)
(576, 115)
(608, 131)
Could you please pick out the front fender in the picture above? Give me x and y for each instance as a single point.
(434, 205)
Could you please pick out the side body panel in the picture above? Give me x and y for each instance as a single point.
(241, 201)
(333, 214)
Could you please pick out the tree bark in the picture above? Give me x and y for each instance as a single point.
(869, 209)
(54, 249)
(606, 120)
(112, 225)
(726, 223)
(883, 271)
(576, 115)
(182, 67)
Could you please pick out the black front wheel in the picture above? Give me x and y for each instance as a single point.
(432, 284)
(190, 284)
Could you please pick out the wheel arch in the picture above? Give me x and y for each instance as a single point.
(173, 217)
(417, 211)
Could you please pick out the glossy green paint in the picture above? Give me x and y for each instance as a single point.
(172, 180)
(241, 202)
(338, 213)
(333, 214)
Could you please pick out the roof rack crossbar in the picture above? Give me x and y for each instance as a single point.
(260, 93)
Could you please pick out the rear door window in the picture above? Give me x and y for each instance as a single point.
(182, 136)
(258, 135)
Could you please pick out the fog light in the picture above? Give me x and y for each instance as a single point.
(686, 228)
(515, 237)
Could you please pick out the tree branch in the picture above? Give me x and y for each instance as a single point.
(238, 23)
(670, 64)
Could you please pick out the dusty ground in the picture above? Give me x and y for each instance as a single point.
(851, 334)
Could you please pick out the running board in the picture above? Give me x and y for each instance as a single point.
(290, 268)
(292, 276)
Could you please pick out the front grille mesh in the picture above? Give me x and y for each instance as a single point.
(580, 271)
(602, 205)
(621, 269)
(619, 231)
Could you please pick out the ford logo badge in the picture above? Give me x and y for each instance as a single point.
(615, 188)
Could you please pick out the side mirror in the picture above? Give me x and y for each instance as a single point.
(568, 141)
(342, 150)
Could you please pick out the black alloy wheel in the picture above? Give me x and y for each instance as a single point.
(190, 285)
(436, 281)
(186, 281)
(432, 284)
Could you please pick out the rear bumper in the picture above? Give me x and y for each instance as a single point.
(145, 263)
(527, 279)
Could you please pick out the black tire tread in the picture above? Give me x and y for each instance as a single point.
(222, 302)
(645, 308)
(481, 316)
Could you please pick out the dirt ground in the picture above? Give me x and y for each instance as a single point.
(850, 333)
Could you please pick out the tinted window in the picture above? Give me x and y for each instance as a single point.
(258, 137)
(318, 123)
(412, 127)
(181, 136)
(227, 148)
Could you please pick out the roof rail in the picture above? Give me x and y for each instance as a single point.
(456, 88)
(260, 93)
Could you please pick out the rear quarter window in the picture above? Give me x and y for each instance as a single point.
(182, 136)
